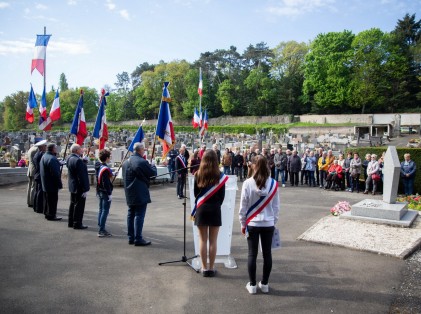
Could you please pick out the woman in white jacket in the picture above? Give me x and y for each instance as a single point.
(372, 169)
(259, 211)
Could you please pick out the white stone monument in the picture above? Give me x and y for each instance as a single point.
(223, 253)
(386, 211)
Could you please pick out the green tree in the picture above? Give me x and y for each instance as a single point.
(226, 95)
(63, 83)
(15, 111)
(328, 72)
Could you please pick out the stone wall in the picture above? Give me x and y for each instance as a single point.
(321, 130)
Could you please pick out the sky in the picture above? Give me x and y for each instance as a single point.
(94, 40)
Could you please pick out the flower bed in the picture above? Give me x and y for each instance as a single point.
(414, 201)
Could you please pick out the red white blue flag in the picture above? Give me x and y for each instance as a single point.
(43, 112)
(38, 61)
(54, 114)
(196, 119)
(79, 123)
(164, 127)
(200, 88)
(101, 128)
(204, 126)
(30, 105)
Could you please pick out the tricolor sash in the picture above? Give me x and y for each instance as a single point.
(182, 161)
(102, 170)
(207, 193)
(262, 202)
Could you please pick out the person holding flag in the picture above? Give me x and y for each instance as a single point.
(164, 126)
(78, 127)
(100, 129)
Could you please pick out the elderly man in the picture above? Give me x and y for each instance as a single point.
(39, 197)
(30, 193)
(181, 163)
(136, 177)
(51, 181)
(78, 187)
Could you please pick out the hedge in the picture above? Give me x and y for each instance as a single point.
(415, 156)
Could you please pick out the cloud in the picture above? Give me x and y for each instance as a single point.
(40, 6)
(298, 7)
(4, 5)
(110, 5)
(125, 14)
(62, 46)
(71, 2)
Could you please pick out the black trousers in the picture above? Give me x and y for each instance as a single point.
(50, 204)
(39, 198)
(294, 178)
(76, 209)
(265, 234)
(317, 176)
(181, 182)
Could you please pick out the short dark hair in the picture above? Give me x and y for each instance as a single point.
(104, 154)
(51, 146)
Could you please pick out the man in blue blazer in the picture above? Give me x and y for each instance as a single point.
(51, 181)
(136, 176)
(78, 187)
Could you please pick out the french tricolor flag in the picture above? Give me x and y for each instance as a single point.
(100, 128)
(38, 61)
(200, 88)
(79, 123)
(43, 113)
(204, 127)
(164, 127)
(55, 114)
(30, 105)
(196, 119)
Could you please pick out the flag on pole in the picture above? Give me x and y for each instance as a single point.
(100, 128)
(199, 89)
(164, 127)
(38, 61)
(55, 114)
(139, 136)
(196, 119)
(43, 112)
(204, 127)
(79, 124)
(30, 105)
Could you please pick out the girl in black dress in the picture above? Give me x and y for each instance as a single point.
(209, 191)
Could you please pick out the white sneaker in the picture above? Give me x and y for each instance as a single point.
(251, 289)
(264, 288)
(283, 185)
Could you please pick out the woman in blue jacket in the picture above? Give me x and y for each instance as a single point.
(408, 168)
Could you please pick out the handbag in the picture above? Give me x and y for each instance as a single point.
(375, 177)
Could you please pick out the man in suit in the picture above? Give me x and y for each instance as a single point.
(181, 162)
(136, 177)
(30, 193)
(78, 187)
(51, 181)
(39, 196)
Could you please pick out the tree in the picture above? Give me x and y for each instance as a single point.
(136, 75)
(63, 83)
(226, 95)
(15, 111)
(328, 72)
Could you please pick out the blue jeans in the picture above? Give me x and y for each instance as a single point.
(311, 179)
(282, 172)
(104, 209)
(135, 219)
(172, 174)
(227, 170)
(408, 185)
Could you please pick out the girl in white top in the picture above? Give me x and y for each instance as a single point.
(259, 212)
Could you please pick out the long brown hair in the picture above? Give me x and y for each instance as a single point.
(208, 173)
(261, 170)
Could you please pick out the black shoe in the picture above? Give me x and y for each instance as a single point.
(142, 243)
(55, 218)
(131, 242)
(80, 227)
(212, 273)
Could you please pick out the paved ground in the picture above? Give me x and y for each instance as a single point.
(46, 267)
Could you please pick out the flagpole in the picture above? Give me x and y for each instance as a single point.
(45, 61)
(200, 107)
(124, 159)
(65, 151)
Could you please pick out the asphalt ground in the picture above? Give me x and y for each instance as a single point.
(46, 267)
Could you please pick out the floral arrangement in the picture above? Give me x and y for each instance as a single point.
(340, 208)
(414, 201)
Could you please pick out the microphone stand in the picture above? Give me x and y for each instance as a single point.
(184, 258)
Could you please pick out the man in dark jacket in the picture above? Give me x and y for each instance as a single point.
(39, 196)
(171, 163)
(51, 182)
(136, 176)
(78, 187)
(181, 163)
(238, 162)
(294, 166)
